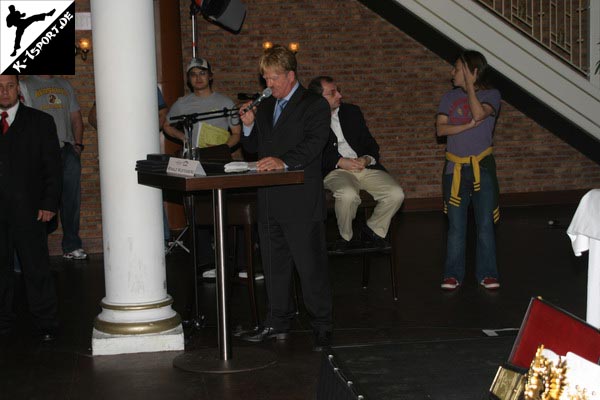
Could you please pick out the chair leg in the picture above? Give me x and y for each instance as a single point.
(393, 258)
(296, 297)
(365, 257)
(233, 247)
(393, 270)
(250, 271)
(366, 270)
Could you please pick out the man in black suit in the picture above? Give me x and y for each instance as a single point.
(351, 164)
(289, 130)
(30, 187)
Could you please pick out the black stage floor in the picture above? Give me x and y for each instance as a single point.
(427, 345)
(451, 369)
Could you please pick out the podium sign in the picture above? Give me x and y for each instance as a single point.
(185, 167)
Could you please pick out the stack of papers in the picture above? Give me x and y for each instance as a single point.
(240, 166)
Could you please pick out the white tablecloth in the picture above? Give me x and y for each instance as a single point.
(584, 232)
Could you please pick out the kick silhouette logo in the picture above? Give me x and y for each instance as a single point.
(37, 37)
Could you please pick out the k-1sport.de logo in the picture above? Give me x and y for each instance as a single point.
(37, 37)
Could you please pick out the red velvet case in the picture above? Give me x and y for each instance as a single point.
(557, 330)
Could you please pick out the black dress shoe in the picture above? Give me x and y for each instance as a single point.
(341, 245)
(371, 239)
(380, 243)
(322, 340)
(263, 333)
(240, 331)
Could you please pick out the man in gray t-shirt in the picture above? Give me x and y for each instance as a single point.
(222, 130)
(56, 97)
(209, 132)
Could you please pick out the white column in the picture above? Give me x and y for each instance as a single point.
(136, 312)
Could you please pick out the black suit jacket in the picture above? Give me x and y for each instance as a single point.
(357, 135)
(298, 138)
(33, 174)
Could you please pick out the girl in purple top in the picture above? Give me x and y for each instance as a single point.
(467, 116)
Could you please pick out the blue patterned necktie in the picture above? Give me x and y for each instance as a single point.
(278, 109)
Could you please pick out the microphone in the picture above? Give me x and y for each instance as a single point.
(248, 96)
(266, 93)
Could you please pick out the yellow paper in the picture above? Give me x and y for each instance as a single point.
(210, 135)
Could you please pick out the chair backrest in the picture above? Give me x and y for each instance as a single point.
(241, 208)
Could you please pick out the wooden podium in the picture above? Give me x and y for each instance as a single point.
(209, 360)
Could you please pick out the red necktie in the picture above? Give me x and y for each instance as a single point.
(4, 122)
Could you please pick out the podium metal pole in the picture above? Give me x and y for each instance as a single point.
(221, 360)
(219, 216)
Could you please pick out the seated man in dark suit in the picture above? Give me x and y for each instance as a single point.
(351, 164)
(30, 188)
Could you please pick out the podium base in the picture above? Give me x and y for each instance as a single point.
(207, 361)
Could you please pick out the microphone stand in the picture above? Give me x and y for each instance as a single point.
(197, 321)
(194, 9)
(188, 121)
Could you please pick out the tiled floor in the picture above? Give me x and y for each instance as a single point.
(534, 258)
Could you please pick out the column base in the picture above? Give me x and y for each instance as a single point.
(108, 344)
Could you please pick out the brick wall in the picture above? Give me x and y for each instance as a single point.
(398, 84)
(394, 79)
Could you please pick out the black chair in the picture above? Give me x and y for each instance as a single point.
(367, 205)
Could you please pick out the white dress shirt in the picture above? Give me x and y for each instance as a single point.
(343, 147)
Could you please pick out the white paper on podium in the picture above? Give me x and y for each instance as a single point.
(240, 166)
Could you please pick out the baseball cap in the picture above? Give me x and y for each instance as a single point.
(198, 63)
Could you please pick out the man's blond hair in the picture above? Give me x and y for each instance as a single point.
(279, 57)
